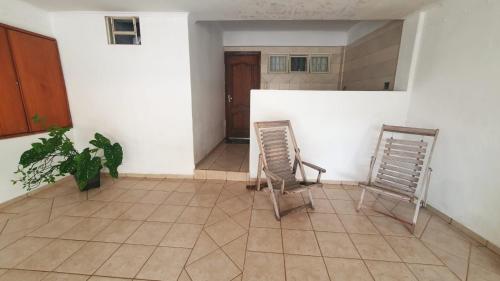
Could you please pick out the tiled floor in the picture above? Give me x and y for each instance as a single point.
(226, 157)
(145, 229)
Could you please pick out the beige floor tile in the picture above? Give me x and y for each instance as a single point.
(322, 206)
(179, 198)
(154, 197)
(390, 226)
(149, 233)
(298, 220)
(347, 270)
(215, 266)
(373, 247)
(265, 240)
(102, 278)
(51, 256)
(56, 227)
(7, 239)
(28, 205)
(374, 208)
(112, 210)
(194, 215)
(264, 218)
(326, 222)
(337, 193)
(118, 231)
(477, 273)
(157, 267)
(236, 250)
(318, 193)
(432, 273)
(138, 212)
(390, 271)
(204, 200)
(216, 215)
(26, 221)
(147, 184)
(20, 250)
(358, 224)
(438, 234)
(86, 229)
(69, 199)
(182, 235)
(54, 276)
(86, 208)
(411, 250)
(107, 195)
(243, 218)
(190, 186)
(485, 259)
(336, 245)
(264, 266)
(225, 231)
(168, 185)
(184, 276)
(262, 201)
(23, 275)
(131, 196)
(300, 242)
(233, 205)
(166, 213)
(126, 261)
(457, 265)
(355, 194)
(344, 207)
(305, 268)
(204, 246)
(88, 258)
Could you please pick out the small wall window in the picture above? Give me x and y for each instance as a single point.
(298, 63)
(320, 64)
(123, 30)
(278, 64)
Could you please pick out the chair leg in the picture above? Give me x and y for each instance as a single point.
(276, 205)
(310, 197)
(415, 215)
(360, 204)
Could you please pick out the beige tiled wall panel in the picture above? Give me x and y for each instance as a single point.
(298, 81)
(372, 60)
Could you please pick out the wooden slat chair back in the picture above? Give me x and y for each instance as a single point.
(278, 148)
(403, 160)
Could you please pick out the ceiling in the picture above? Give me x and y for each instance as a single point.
(286, 25)
(251, 9)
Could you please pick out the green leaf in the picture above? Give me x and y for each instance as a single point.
(100, 141)
(87, 167)
(114, 156)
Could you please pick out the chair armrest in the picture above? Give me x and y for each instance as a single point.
(319, 169)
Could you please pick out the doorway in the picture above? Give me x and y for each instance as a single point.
(242, 75)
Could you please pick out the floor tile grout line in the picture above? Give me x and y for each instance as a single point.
(320, 250)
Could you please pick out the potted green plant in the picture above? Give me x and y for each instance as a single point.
(56, 156)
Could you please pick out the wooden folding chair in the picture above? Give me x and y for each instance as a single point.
(404, 168)
(274, 160)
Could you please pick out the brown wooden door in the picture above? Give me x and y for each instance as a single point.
(242, 75)
(40, 75)
(12, 117)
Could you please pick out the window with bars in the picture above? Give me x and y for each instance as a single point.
(123, 30)
(320, 64)
(278, 64)
(298, 63)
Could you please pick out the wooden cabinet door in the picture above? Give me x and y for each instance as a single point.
(40, 75)
(12, 117)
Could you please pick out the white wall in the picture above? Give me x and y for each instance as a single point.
(139, 96)
(363, 28)
(335, 130)
(456, 89)
(22, 15)
(285, 38)
(407, 59)
(207, 86)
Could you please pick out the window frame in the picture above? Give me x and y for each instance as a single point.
(298, 56)
(111, 32)
(329, 58)
(287, 69)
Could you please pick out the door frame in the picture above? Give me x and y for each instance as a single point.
(226, 80)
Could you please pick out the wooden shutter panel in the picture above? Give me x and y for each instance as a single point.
(40, 75)
(12, 117)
